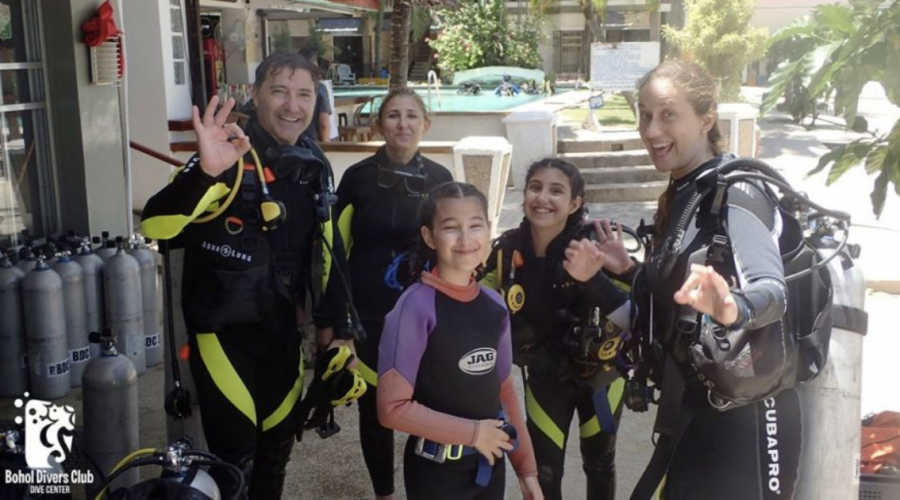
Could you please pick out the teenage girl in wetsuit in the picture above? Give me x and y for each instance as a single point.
(721, 454)
(445, 360)
(552, 285)
(378, 203)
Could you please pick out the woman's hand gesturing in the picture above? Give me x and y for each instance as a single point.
(707, 291)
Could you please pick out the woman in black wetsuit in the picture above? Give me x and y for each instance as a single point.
(552, 286)
(748, 452)
(378, 203)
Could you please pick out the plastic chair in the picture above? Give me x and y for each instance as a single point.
(345, 75)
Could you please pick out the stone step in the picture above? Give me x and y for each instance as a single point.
(619, 192)
(607, 141)
(607, 159)
(614, 175)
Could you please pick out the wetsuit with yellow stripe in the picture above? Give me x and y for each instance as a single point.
(544, 301)
(379, 221)
(241, 287)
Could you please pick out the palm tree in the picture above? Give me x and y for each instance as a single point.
(401, 21)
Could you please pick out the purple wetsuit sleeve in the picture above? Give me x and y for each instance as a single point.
(403, 343)
(406, 331)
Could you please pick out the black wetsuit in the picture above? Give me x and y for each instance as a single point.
(240, 290)
(379, 220)
(558, 385)
(725, 454)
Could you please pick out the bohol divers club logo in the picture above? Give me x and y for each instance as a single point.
(49, 432)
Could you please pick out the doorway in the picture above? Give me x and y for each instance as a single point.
(349, 50)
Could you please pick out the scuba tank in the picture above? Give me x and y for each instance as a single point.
(92, 270)
(829, 462)
(27, 259)
(51, 252)
(13, 369)
(76, 323)
(147, 260)
(124, 305)
(110, 411)
(183, 476)
(45, 327)
(108, 247)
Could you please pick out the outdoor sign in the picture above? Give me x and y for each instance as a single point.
(596, 101)
(618, 66)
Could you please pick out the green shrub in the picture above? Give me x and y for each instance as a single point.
(477, 35)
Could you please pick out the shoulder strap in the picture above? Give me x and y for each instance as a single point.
(672, 420)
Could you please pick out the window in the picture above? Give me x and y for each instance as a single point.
(567, 51)
(28, 197)
(179, 47)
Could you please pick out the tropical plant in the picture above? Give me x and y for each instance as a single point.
(281, 39)
(481, 34)
(401, 22)
(718, 36)
(872, 53)
(803, 48)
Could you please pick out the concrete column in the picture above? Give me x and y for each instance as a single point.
(484, 162)
(86, 127)
(533, 137)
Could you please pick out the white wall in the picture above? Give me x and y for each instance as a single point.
(778, 14)
(147, 100)
(453, 127)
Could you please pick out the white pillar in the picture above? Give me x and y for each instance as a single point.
(533, 137)
(484, 162)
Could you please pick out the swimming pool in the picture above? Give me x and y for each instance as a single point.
(449, 101)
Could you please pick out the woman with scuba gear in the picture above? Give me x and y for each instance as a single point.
(716, 451)
(564, 310)
(445, 361)
(378, 203)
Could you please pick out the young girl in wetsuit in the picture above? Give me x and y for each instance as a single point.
(552, 284)
(445, 361)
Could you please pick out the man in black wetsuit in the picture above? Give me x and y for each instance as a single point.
(254, 236)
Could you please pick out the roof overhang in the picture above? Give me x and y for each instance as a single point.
(301, 9)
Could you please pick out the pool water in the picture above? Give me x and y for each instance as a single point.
(452, 102)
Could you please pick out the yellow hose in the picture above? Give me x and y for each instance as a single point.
(139, 453)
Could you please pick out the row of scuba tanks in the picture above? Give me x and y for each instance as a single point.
(52, 296)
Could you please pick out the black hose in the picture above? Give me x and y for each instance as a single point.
(139, 462)
(216, 462)
(786, 188)
(170, 321)
(754, 164)
(345, 284)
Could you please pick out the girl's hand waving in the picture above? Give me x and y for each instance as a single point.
(583, 259)
(612, 244)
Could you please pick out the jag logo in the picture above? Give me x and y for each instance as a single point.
(479, 361)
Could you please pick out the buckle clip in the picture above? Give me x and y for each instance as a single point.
(455, 451)
(430, 450)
